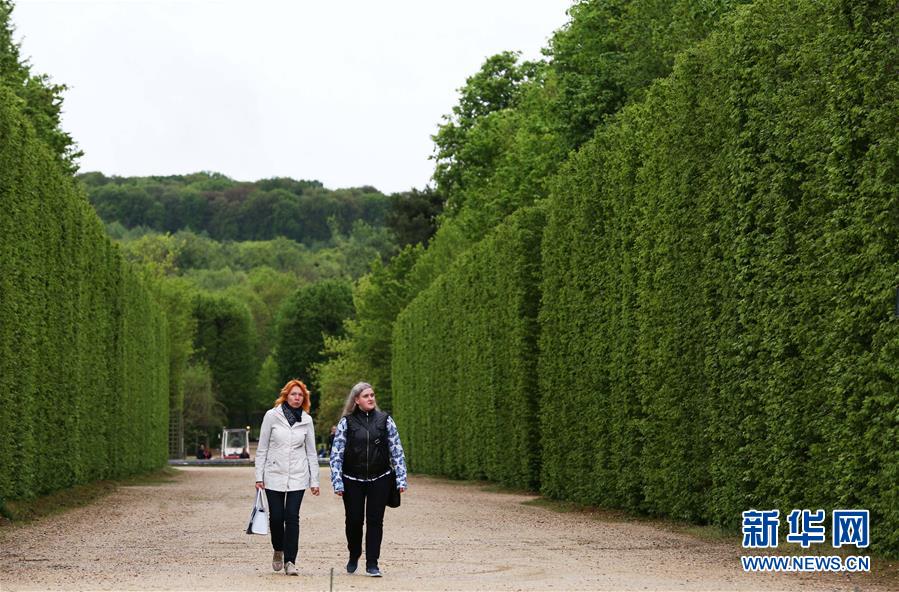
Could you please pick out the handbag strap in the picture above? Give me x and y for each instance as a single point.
(260, 500)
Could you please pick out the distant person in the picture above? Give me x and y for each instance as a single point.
(245, 453)
(366, 445)
(202, 453)
(286, 465)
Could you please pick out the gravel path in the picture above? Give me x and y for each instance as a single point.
(187, 534)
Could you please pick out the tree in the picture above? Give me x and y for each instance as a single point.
(271, 289)
(269, 384)
(413, 216)
(203, 414)
(364, 245)
(365, 351)
(42, 100)
(496, 86)
(224, 209)
(335, 377)
(226, 341)
(159, 252)
(305, 319)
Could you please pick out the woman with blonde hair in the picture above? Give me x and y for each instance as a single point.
(366, 446)
(286, 464)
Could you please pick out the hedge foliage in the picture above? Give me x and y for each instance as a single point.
(83, 345)
(473, 413)
(718, 271)
(719, 268)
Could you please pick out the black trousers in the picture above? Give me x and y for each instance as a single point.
(364, 501)
(284, 521)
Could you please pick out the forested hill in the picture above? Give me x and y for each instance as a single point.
(226, 209)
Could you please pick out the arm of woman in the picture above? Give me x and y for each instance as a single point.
(397, 456)
(312, 457)
(337, 452)
(262, 450)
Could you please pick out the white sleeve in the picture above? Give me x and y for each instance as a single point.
(312, 455)
(262, 448)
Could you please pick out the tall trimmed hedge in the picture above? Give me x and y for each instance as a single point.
(464, 361)
(226, 340)
(718, 271)
(719, 268)
(83, 346)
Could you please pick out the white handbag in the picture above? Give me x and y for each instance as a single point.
(258, 523)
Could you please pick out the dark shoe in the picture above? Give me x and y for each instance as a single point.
(373, 572)
(278, 560)
(351, 565)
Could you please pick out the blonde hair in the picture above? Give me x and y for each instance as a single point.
(282, 397)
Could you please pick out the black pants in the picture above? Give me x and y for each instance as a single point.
(284, 521)
(365, 501)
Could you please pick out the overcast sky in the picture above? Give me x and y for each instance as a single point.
(346, 92)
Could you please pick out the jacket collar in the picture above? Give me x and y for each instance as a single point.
(279, 413)
(361, 416)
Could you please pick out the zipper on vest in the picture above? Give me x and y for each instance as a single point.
(367, 446)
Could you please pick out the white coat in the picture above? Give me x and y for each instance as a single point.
(285, 457)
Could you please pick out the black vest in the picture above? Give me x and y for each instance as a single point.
(367, 454)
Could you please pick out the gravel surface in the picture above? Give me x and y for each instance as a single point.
(187, 534)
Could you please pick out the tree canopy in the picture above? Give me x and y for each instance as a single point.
(225, 209)
(41, 98)
(306, 318)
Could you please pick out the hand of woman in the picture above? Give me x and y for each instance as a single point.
(315, 490)
(402, 490)
(338, 493)
(260, 485)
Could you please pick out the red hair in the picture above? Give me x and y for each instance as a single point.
(282, 397)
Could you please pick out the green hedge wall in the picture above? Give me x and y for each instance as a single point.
(83, 348)
(474, 412)
(719, 271)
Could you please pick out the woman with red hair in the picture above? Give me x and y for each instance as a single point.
(286, 464)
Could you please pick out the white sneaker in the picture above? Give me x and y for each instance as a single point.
(278, 561)
(291, 569)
